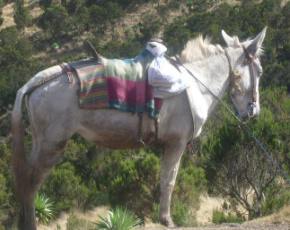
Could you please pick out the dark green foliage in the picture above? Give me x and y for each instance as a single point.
(149, 28)
(101, 15)
(275, 202)
(65, 186)
(21, 15)
(176, 35)
(133, 174)
(1, 19)
(89, 176)
(55, 20)
(45, 3)
(15, 64)
(4, 195)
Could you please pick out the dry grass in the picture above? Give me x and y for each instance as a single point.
(281, 217)
(86, 217)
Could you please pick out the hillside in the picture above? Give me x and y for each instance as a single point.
(277, 221)
(225, 161)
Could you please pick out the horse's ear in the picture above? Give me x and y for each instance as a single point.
(228, 39)
(256, 43)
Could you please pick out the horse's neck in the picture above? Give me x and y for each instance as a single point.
(213, 72)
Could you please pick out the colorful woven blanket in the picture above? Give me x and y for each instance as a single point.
(119, 84)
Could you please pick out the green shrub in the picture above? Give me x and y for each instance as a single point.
(3, 191)
(21, 15)
(118, 219)
(44, 208)
(275, 199)
(134, 182)
(55, 20)
(219, 217)
(181, 214)
(65, 187)
(5, 176)
(190, 183)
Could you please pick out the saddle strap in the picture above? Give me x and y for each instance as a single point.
(140, 129)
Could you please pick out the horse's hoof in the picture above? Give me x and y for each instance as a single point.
(167, 221)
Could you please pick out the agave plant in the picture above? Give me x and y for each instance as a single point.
(118, 219)
(44, 210)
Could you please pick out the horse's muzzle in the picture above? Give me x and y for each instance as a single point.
(252, 110)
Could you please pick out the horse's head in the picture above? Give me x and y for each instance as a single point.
(245, 73)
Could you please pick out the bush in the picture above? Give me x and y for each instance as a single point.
(66, 188)
(134, 182)
(16, 64)
(21, 15)
(55, 20)
(277, 199)
(219, 217)
(181, 214)
(4, 194)
(118, 219)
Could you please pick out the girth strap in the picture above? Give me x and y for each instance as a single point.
(140, 129)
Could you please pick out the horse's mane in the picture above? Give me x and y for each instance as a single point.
(198, 49)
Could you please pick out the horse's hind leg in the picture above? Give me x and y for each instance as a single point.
(169, 168)
(46, 152)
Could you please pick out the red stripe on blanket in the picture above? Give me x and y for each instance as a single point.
(132, 92)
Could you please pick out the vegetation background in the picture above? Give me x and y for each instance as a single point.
(225, 160)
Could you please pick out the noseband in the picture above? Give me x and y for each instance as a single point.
(233, 75)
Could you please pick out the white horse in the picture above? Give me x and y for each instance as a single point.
(55, 116)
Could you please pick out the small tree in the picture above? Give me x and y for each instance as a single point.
(235, 165)
(246, 177)
(21, 15)
(55, 20)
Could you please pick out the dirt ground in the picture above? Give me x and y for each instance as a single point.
(277, 221)
(230, 227)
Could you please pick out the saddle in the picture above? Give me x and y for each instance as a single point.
(130, 74)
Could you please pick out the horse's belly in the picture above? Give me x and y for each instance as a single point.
(111, 140)
(116, 130)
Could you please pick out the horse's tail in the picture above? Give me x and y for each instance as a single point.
(20, 167)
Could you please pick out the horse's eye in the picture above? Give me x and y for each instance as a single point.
(236, 73)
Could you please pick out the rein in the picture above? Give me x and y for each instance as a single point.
(241, 124)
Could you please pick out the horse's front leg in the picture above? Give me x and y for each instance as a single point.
(169, 168)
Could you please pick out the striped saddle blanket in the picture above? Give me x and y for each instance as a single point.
(119, 84)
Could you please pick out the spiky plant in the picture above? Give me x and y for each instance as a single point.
(44, 210)
(118, 219)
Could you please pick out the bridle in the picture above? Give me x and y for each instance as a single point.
(251, 61)
(233, 76)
